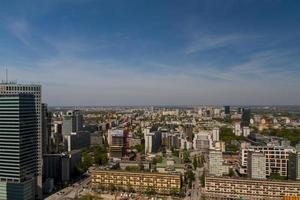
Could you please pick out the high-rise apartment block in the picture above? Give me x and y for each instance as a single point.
(152, 141)
(116, 142)
(19, 146)
(294, 166)
(256, 165)
(216, 134)
(246, 131)
(46, 129)
(215, 164)
(72, 122)
(202, 142)
(36, 91)
(246, 117)
(276, 158)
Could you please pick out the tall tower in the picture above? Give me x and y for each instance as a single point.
(19, 147)
(9, 88)
(256, 165)
(72, 122)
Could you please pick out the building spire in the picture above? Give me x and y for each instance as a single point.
(6, 75)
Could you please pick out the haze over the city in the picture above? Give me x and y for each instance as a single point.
(154, 52)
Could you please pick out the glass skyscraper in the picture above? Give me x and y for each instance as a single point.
(35, 90)
(19, 146)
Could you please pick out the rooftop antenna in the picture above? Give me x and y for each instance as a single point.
(6, 75)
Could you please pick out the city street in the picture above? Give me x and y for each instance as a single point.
(72, 191)
(196, 191)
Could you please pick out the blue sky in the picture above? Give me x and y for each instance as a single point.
(140, 52)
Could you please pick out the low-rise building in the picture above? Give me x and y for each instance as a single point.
(162, 183)
(249, 189)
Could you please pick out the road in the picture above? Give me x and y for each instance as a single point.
(72, 191)
(196, 191)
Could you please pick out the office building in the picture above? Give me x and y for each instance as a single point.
(276, 158)
(245, 117)
(227, 110)
(153, 141)
(72, 122)
(246, 131)
(78, 140)
(215, 163)
(249, 189)
(256, 165)
(36, 91)
(46, 129)
(162, 183)
(19, 147)
(96, 139)
(116, 142)
(294, 166)
(202, 142)
(237, 129)
(188, 131)
(215, 134)
(61, 167)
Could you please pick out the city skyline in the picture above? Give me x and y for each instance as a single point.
(158, 53)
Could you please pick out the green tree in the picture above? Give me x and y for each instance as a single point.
(202, 180)
(186, 156)
(190, 177)
(231, 172)
(150, 191)
(100, 155)
(276, 176)
(174, 191)
(195, 162)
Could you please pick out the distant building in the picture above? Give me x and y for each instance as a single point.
(46, 129)
(246, 131)
(152, 141)
(188, 131)
(256, 165)
(216, 134)
(220, 145)
(72, 122)
(246, 117)
(237, 129)
(202, 142)
(116, 142)
(96, 139)
(294, 166)
(227, 110)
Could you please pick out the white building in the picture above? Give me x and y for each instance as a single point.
(202, 141)
(276, 158)
(220, 145)
(215, 163)
(215, 134)
(237, 129)
(256, 165)
(246, 131)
